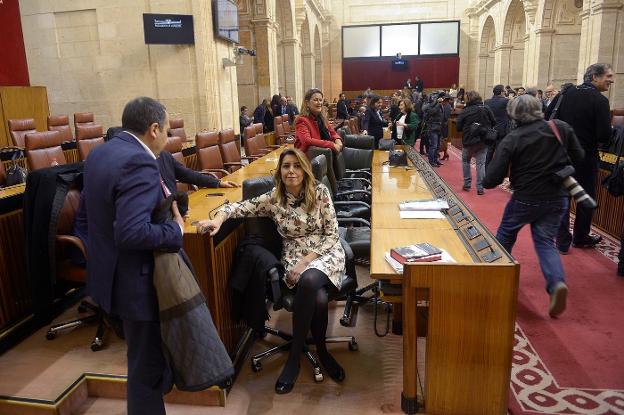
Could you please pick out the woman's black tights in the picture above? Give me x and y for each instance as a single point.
(309, 314)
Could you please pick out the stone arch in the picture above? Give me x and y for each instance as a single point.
(307, 57)
(487, 44)
(318, 59)
(565, 29)
(515, 38)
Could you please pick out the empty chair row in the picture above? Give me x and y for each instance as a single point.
(18, 128)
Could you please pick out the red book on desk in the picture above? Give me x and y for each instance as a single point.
(416, 253)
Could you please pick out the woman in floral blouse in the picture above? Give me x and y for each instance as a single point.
(312, 255)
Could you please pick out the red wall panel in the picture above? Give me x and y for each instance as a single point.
(13, 65)
(377, 73)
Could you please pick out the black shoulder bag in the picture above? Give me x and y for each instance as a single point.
(614, 182)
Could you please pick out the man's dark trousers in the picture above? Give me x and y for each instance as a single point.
(148, 374)
(585, 175)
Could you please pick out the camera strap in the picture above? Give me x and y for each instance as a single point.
(555, 130)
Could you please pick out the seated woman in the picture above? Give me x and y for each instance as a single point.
(312, 255)
(311, 128)
(405, 124)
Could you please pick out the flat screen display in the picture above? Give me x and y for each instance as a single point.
(400, 64)
(225, 16)
(168, 29)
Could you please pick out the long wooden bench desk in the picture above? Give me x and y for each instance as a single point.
(471, 303)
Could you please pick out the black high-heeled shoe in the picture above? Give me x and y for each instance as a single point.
(282, 387)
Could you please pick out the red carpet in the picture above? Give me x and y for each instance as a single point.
(573, 364)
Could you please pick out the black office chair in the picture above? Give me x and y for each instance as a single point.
(365, 142)
(266, 229)
(349, 188)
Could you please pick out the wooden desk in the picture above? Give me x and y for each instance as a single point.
(471, 303)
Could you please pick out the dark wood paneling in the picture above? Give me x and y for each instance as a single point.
(15, 297)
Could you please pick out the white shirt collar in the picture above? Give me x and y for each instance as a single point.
(150, 152)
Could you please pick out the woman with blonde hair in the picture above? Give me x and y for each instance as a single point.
(312, 255)
(311, 126)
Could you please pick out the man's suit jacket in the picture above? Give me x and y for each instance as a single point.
(342, 112)
(172, 170)
(122, 188)
(498, 105)
(292, 111)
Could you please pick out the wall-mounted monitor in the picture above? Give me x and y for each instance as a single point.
(225, 20)
(168, 29)
(400, 65)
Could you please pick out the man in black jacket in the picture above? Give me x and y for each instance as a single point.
(587, 111)
(342, 111)
(532, 154)
(498, 105)
(434, 116)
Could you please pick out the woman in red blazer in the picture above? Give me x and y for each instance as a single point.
(311, 128)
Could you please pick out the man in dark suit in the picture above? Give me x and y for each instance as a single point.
(420, 86)
(123, 187)
(342, 107)
(586, 109)
(498, 105)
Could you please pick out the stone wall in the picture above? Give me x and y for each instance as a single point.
(91, 56)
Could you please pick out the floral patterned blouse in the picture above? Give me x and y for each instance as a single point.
(302, 232)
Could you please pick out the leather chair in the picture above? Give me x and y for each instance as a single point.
(282, 136)
(249, 132)
(174, 146)
(342, 190)
(176, 127)
(60, 123)
(43, 149)
(259, 127)
(18, 128)
(2, 175)
(255, 147)
(83, 118)
(617, 117)
(229, 151)
(277, 121)
(71, 274)
(364, 142)
(285, 120)
(209, 155)
(265, 230)
(88, 136)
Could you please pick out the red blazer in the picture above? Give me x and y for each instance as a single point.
(307, 134)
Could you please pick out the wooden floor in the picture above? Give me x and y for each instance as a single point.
(41, 369)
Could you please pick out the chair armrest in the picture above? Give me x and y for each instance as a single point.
(72, 240)
(351, 203)
(234, 163)
(249, 158)
(353, 192)
(212, 171)
(360, 171)
(354, 220)
(368, 182)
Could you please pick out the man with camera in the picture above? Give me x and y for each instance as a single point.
(534, 156)
(434, 116)
(587, 111)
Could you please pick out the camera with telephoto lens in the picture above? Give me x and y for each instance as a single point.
(576, 190)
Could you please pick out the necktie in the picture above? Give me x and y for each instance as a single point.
(165, 190)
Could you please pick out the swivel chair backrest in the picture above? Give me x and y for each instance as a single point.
(19, 128)
(60, 123)
(329, 156)
(88, 137)
(319, 169)
(43, 149)
(261, 227)
(176, 127)
(174, 146)
(208, 153)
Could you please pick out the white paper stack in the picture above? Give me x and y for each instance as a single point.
(431, 204)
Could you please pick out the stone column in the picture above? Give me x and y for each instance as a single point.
(292, 69)
(502, 62)
(266, 57)
(541, 65)
(308, 70)
(481, 74)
